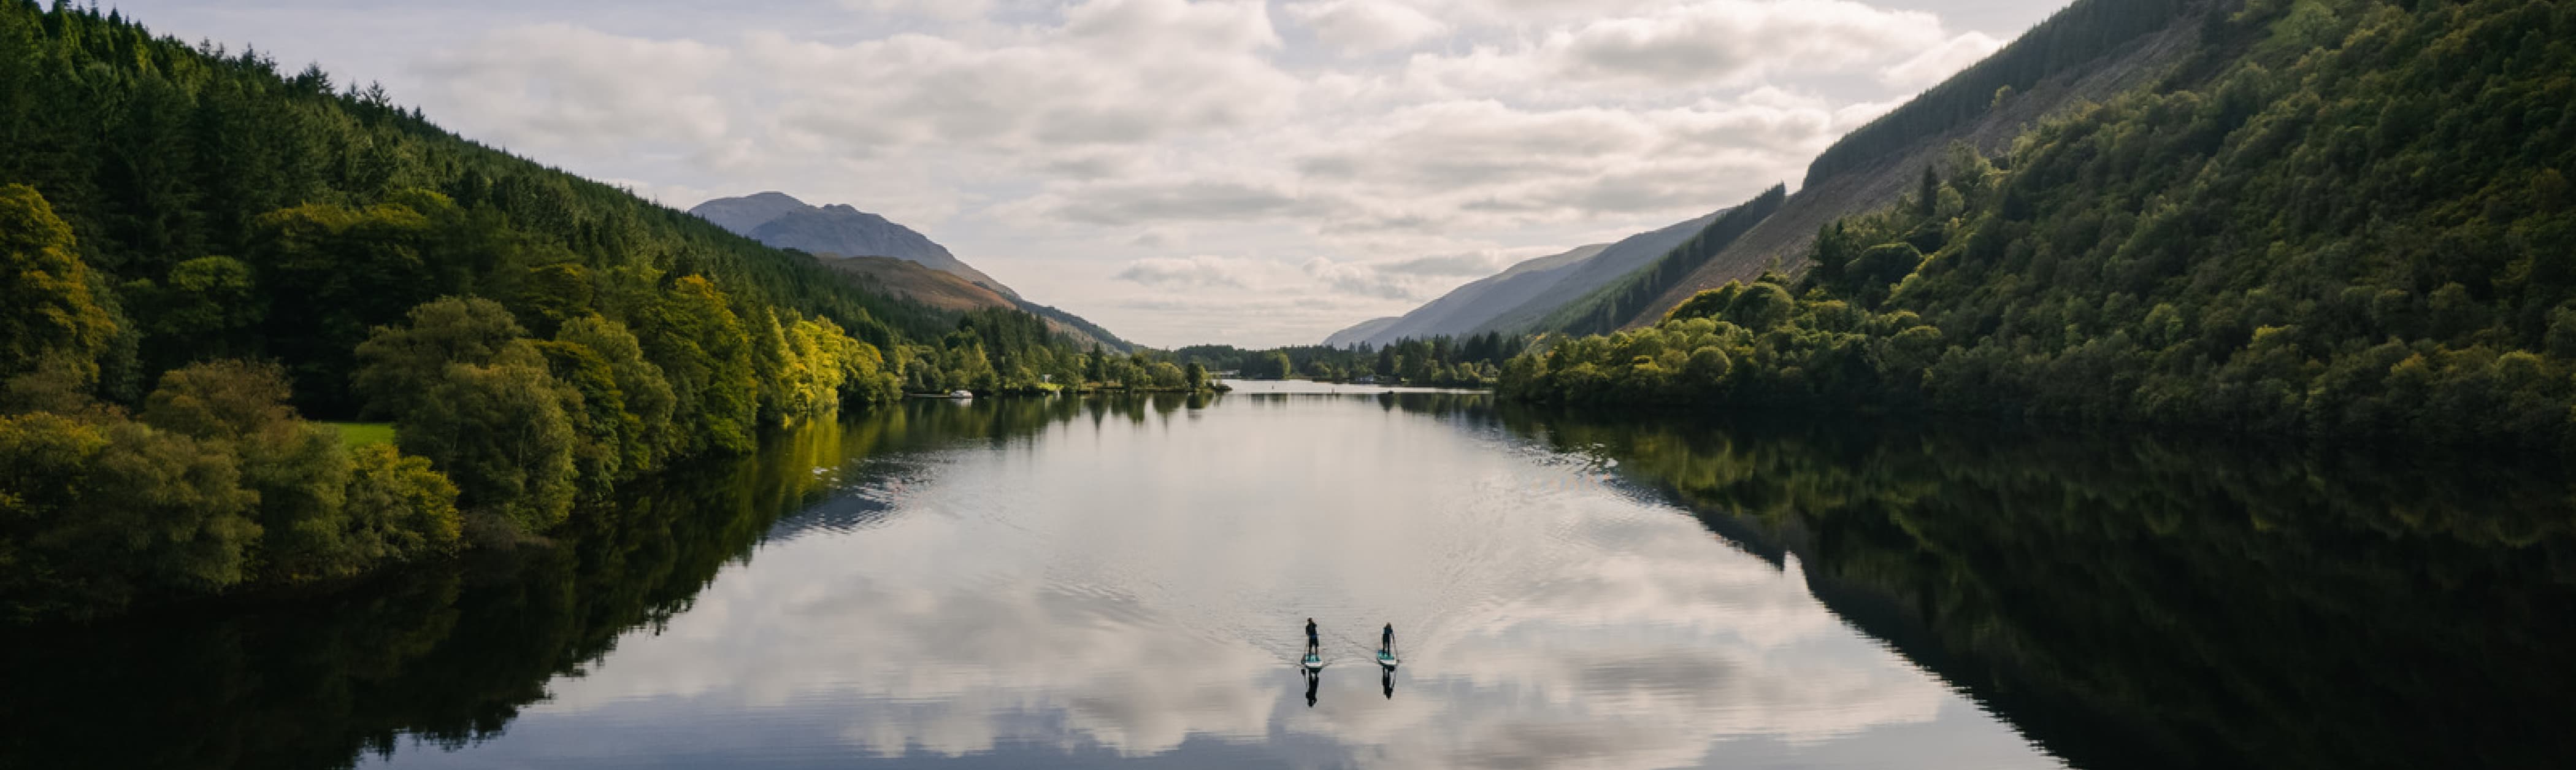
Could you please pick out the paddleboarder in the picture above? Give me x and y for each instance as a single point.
(1313, 645)
(1386, 641)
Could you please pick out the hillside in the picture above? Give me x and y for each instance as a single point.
(1582, 277)
(1468, 307)
(1517, 299)
(915, 282)
(837, 232)
(834, 230)
(2087, 52)
(2340, 217)
(1360, 332)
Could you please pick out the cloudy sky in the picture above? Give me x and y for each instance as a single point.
(1258, 173)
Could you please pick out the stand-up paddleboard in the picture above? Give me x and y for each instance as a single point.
(1386, 659)
(1314, 661)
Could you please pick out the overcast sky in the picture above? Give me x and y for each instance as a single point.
(1257, 173)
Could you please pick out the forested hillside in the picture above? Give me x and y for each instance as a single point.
(1610, 306)
(198, 251)
(847, 238)
(2087, 52)
(2347, 217)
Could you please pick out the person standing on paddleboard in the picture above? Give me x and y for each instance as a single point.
(1313, 646)
(1386, 640)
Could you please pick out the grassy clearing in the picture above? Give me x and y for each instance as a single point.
(358, 434)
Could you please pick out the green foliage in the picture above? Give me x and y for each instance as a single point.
(208, 307)
(2297, 240)
(626, 404)
(48, 310)
(159, 154)
(398, 508)
(469, 392)
(384, 266)
(94, 513)
(1470, 362)
(701, 346)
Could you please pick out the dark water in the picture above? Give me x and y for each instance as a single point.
(1116, 582)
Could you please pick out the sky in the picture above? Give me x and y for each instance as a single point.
(1251, 172)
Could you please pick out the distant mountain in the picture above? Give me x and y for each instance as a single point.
(782, 221)
(1582, 277)
(872, 248)
(747, 213)
(1521, 296)
(2087, 52)
(1360, 332)
(951, 292)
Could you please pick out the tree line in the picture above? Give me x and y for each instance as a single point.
(198, 252)
(2360, 226)
(1473, 361)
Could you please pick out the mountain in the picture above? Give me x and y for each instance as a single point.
(782, 221)
(1467, 307)
(2085, 53)
(2333, 218)
(1581, 277)
(862, 245)
(1525, 293)
(747, 213)
(1360, 332)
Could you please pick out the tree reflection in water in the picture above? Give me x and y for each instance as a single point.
(2125, 601)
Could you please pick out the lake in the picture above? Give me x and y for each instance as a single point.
(1123, 581)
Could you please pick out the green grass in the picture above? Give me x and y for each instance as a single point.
(358, 434)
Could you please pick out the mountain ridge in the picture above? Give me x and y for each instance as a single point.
(1526, 293)
(853, 242)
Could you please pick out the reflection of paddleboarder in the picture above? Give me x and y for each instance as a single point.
(1386, 677)
(1314, 677)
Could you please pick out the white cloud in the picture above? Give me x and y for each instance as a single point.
(1366, 25)
(1192, 272)
(1731, 41)
(1057, 143)
(1116, 72)
(1940, 62)
(557, 84)
(1362, 280)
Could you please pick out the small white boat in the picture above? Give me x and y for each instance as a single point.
(961, 394)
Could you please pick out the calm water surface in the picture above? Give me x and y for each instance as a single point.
(1111, 582)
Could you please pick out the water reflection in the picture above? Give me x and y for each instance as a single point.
(1107, 581)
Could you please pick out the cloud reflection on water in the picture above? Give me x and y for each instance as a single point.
(1137, 588)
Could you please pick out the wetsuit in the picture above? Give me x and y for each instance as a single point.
(1312, 643)
(1386, 641)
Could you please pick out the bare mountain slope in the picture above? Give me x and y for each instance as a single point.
(953, 293)
(1585, 276)
(1467, 307)
(1516, 299)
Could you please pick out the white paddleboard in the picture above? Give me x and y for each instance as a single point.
(1386, 660)
(1314, 661)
